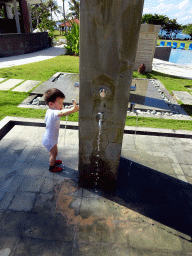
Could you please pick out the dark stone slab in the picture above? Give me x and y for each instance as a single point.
(64, 82)
(162, 53)
(146, 96)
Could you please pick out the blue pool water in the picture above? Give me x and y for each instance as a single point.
(181, 56)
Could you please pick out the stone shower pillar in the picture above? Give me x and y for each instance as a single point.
(109, 31)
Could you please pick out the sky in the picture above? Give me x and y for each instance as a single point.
(174, 9)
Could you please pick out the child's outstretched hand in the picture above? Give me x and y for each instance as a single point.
(75, 106)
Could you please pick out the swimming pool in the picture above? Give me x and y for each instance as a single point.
(181, 56)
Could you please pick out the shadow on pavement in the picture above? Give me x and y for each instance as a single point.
(155, 195)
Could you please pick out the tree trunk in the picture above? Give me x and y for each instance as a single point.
(64, 15)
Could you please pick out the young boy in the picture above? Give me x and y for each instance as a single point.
(54, 99)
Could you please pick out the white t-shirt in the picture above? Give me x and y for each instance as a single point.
(51, 134)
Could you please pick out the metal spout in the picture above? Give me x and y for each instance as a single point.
(100, 116)
(132, 107)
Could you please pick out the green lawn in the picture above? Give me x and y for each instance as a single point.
(57, 35)
(43, 70)
(187, 42)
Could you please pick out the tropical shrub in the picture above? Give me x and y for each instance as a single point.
(72, 37)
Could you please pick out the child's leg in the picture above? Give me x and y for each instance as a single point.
(53, 155)
(52, 160)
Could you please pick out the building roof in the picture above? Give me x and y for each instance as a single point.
(68, 23)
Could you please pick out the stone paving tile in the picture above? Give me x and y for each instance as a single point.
(187, 247)
(48, 226)
(7, 199)
(2, 79)
(8, 158)
(187, 169)
(4, 172)
(49, 185)
(4, 145)
(7, 180)
(33, 155)
(185, 97)
(2, 194)
(26, 136)
(166, 239)
(42, 247)
(177, 169)
(26, 86)
(181, 177)
(12, 224)
(18, 146)
(21, 168)
(38, 170)
(45, 203)
(166, 168)
(13, 184)
(23, 201)
(7, 244)
(9, 84)
(31, 183)
(181, 158)
(114, 230)
(18, 128)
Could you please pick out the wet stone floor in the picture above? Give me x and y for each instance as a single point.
(43, 213)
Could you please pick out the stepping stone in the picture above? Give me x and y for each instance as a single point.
(1, 79)
(185, 97)
(10, 84)
(26, 86)
(64, 82)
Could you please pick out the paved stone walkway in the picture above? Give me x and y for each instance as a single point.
(10, 84)
(25, 86)
(169, 68)
(42, 213)
(185, 97)
(46, 54)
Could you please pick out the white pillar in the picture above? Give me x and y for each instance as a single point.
(16, 17)
(9, 10)
(30, 20)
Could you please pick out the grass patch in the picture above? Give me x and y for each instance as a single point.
(171, 83)
(57, 35)
(8, 106)
(159, 123)
(42, 70)
(187, 108)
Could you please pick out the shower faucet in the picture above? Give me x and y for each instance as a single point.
(102, 92)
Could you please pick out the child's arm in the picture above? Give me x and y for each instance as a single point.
(66, 112)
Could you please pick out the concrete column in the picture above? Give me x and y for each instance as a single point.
(24, 15)
(16, 17)
(109, 32)
(30, 20)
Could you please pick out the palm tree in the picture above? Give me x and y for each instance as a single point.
(53, 8)
(64, 14)
(74, 8)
